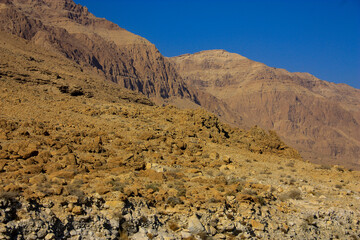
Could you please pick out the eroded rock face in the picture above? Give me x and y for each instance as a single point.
(320, 119)
(123, 57)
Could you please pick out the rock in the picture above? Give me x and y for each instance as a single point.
(100, 189)
(41, 233)
(30, 150)
(219, 236)
(32, 236)
(185, 233)
(226, 159)
(194, 225)
(214, 156)
(223, 168)
(212, 230)
(307, 189)
(139, 236)
(115, 205)
(257, 225)
(50, 236)
(77, 210)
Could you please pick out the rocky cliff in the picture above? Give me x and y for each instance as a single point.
(319, 118)
(68, 28)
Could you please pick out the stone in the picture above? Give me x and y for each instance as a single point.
(223, 168)
(307, 189)
(30, 150)
(32, 236)
(50, 236)
(214, 156)
(226, 159)
(220, 236)
(41, 233)
(119, 205)
(256, 225)
(185, 233)
(194, 225)
(139, 236)
(212, 230)
(77, 210)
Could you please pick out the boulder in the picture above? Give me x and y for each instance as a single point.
(194, 225)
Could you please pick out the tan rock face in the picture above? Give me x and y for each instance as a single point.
(319, 118)
(70, 29)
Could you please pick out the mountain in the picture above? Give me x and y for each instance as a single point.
(120, 56)
(319, 118)
(68, 28)
(83, 158)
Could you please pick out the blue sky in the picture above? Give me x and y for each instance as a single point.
(321, 37)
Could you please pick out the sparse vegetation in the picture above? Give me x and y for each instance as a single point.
(339, 186)
(9, 196)
(173, 201)
(323, 167)
(173, 226)
(153, 186)
(292, 194)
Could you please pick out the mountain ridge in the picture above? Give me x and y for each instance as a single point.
(134, 63)
(121, 56)
(303, 109)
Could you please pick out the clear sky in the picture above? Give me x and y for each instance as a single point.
(321, 37)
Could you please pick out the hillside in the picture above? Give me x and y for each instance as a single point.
(319, 118)
(80, 156)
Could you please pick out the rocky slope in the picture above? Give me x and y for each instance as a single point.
(319, 118)
(83, 158)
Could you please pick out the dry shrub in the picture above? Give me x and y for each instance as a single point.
(9, 196)
(173, 226)
(153, 186)
(292, 194)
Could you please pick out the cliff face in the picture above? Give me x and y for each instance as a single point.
(319, 118)
(123, 57)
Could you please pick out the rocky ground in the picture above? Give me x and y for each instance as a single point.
(81, 158)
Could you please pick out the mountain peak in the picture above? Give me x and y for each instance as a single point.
(215, 53)
(307, 112)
